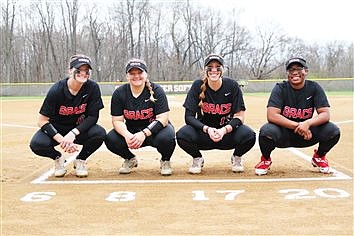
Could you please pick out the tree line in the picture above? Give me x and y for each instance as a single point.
(37, 39)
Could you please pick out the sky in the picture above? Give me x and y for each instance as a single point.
(310, 20)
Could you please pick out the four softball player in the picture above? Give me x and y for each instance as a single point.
(68, 117)
(214, 116)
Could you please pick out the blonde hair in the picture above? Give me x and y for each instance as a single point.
(148, 85)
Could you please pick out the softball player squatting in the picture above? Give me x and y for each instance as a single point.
(291, 121)
(68, 116)
(214, 116)
(140, 117)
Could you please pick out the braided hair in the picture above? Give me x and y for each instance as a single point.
(202, 93)
(148, 85)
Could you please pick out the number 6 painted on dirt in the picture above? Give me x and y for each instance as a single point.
(38, 196)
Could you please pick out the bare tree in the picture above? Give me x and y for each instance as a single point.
(333, 53)
(7, 38)
(172, 37)
(155, 40)
(177, 44)
(97, 39)
(47, 17)
(347, 62)
(136, 12)
(72, 12)
(263, 58)
(236, 47)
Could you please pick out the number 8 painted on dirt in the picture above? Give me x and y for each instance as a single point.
(121, 197)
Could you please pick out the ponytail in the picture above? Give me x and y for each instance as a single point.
(202, 93)
(148, 85)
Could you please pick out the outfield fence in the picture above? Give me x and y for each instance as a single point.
(176, 87)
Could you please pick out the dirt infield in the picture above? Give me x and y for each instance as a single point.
(293, 199)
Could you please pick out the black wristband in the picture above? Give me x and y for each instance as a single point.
(235, 122)
(155, 127)
(49, 130)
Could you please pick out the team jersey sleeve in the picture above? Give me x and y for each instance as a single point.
(117, 102)
(48, 107)
(95, 103)
(275, 99)
(238, 102)
(192, 99)
(161, 104)
(320, 98)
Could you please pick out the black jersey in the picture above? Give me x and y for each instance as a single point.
(218, 106)
(66, 110)
(298, 105)
(141, 111)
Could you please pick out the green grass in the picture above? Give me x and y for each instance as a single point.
(340, 93)
(5, 98)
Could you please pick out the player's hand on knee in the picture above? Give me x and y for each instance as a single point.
(135, 141)
(308, 135)
(129, 139)
(302, 128)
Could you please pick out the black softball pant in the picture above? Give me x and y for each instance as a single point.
(43, 145)
(192, 140)
(164, 141)
(272, 136)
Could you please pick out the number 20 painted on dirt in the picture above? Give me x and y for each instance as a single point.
(200, 195)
